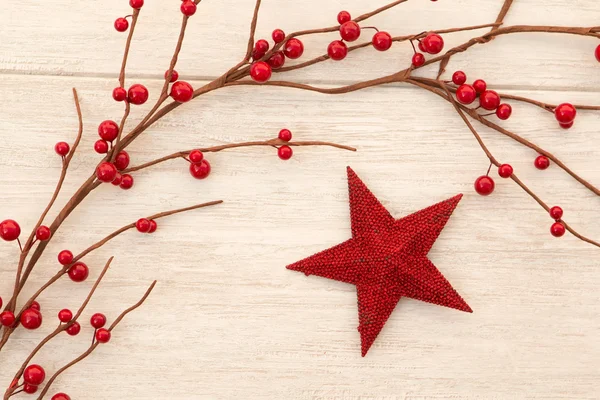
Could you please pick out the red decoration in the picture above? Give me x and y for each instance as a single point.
(386, 259)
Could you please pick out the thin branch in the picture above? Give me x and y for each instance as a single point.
(134, 19)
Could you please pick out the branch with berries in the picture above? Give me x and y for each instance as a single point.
(261, 61)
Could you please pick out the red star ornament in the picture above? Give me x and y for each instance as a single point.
(386, 259)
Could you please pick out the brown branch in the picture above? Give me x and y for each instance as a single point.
(134, 19)
(502, 13)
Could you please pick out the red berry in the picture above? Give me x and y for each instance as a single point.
(277, 60)
(119, 94)
(101, 146)
(0, 302)
(137, 4)
(196, 156)
(103, 335)
(489, 100)
(565, 113)
(566, 126)
(188, 8)
(108, 130)
(9, 230)
(29, 389)
(121, 24)
(541, 162)
(61, 396)
(556, 212)
(260, 71)
(7, 318)
(418, 60)
(43, 233)
(142, 225)
(153, 226)
(421, 46)
(557, 229)
(484, 185)
(200, 171)
(98, 320)
(65, 257)
(337, 50)
(343, 17)
(466, 94)
(174, 75)
(62, 148)
(34, 375)
(79, 272)
(31, 319)
(278, 36)
(285, 135)
(285, 152)
(65, 315)
(505, 170)
(74, 329)
(118, 179)
(504, 111)
(433, 43)
(350, 31)
(479, 85)
(459, 78)
(138, 94)
(598, 53)
(126, 182)
(261, 46)
(182, 92)
(122, 160)
(35, 306)
(106, 172)
(293, 48)
(382, 41)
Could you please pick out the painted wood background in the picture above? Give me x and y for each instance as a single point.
(227, 320)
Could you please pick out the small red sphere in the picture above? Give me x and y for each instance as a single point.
(98, 320)
(278, 36)
(597, 53)
(261, 46)
(121, 24)
(480, 86)
(196, 156)
(489, 100)
(65, 257)
(182, 92)
(433, 43)
(285, 152)
(29, 389)
(31, 319)
(556, 212)
(343, 17)
(74, 329)
(122, 160)
(260, 71)
(200, 171)
(0, 302)
(142, 225)
(106, 172)
(557, 229)
(7, 318)
(174, 75)
(79, 272)
(277, 60)
(61, 396)
(153, 226)
(188, 8)
(566, 126)
(565, 113)
(484, 185)
(505, 170)
(285, 135)
(101, 146)
(421, 46)
(541, 162)
(126, 182)
(293, 48)
(138, 94)
(350, 31)
(43, 233)
(34, 375)
(103, 335)
(62, 148)
(108, 130)
(257, 55)
(137, 4)
(65, 315)
(119, 94)
(9, 230)
(35, 306)
(466, 94)
(118, 179)
(504, 111)
(382, 41)
(459, 78)
(418, 60)
(337, 50)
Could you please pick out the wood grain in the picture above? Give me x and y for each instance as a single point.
(227, 320)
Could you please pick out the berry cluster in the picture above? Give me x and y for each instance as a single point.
(261, 70)
(488, 99)
(565, 114)
(432, 43)
(111, 171)
(199, 167)
(285, 152)
(145, 225)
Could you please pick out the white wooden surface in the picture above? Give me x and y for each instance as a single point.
(227, 320)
